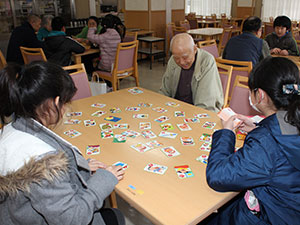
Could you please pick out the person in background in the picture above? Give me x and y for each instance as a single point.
(281, 41)
(45, 27)
(92, 22)
(192, 75)
(248, 46)
(24, 36)
(44, 179)
(59, 47)
(266, 170)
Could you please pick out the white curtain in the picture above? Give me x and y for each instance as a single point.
(208, 7)
(290, 8)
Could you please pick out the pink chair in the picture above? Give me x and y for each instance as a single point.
(226, 35)
(130, 36)
(209, 46)
(32, 54)
(267, 29)
(169, 29)
(80, 80)
(225, 73)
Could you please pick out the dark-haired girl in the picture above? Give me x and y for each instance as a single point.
(43, 178)
(266, 170)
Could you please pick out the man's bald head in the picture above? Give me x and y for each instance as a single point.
(182, 40)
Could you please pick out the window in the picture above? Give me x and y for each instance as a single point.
(208, 7)
(276, 8)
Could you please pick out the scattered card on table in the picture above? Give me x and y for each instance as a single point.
(72, 121)
(154, 144)
(89, 123)
(123, 165)
(155, 168)
(173, 104)
(115, 110)
(170, 151)
(191, 120)
(140, 147)
(179, 114)
(140, 116)
(74, 114)
(131, 133)
(159, 110)
(209, 125)
(106, 126)
(187, 141)
(119, 138)
(146, 105)
(183, 127)
(93, 149)
(202, 158)
(145, 125)
(206, 137)
(98, 113)
(112, 118)
(162, 119)
(135, 109)
(206, 146)
(107, 134)
(184, 171)
(98, 105)
(148, 134)
(135, 91)
(201, 115)
(72, 133)
(121, 126)
(167, 134)
(167, 126)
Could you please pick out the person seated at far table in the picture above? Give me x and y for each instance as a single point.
(248, 46)
(44, 178)
(59, 47)
(281, 42)
(92, 22)
(46, 27)
(192, 75)
(25, 36)
(266, 170)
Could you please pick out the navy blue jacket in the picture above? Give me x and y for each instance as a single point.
(268, 164)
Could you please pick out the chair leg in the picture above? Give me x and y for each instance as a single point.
(113, 200)
(114, 86)
(136, 76)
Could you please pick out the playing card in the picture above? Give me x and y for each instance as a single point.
(202, 158)
(98, 113)
(72, 133)
(146, 105)
(154, 144)
(112, 119)
(98, 105)
(206, 146)
(155, 168)
(191, 120)
(173, 104)
(167, 134)
(140, 116)
(107, 134)
(106, 126)
(140, 147)
(209, 125)
(206, 137)
(167, 126)
(170, 151)
(123, 165)
(121, 126)
(131, 133)
(184, 127)
(187, 141)
(145, 125)
(93, 149)
(201, 115)
(135, 109)
(226, 113)
(72, 121)
(115, 110)
(183, 171)
(119, 138)
(89, 123)
(179, 114)
(159, 109)
(162, 119)
(135, 91)
(74, 114)
(148, 134)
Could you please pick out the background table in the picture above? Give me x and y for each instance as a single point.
(207, 33)
(164, 199)
(77, 57)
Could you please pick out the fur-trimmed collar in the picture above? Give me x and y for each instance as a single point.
(50, 167)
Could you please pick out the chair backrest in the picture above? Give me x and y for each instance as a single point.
(223, 15)
(32, 54)
(225, 72)
(226, 35)
(79, 77)
(242, 68)
(239, 102)
(210, 46)
(185, 24)
(178, 30)
(193, 23)
(295, 33)
(130, 36)
(271, 19)
(268, 29)
(3, 62)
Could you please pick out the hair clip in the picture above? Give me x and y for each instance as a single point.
(293, 89)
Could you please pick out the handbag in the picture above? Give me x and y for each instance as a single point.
(97, 87)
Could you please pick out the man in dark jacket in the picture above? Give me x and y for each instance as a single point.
(25, 36)
(248, 46)
(59, 47)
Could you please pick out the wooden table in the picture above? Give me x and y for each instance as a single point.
(207, 33)
(77, 57)
(208, 22)
(164, 199)
(140, 32)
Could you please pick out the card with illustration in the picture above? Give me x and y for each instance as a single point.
(72, 121)
(112, 118)
(106, 126)
(167, 126)
(167, 134)
(187, 141)
(162, 119)
(145, 105)
(173, 104)
(183, 171)
(72, 133)
(140, 116)
(159, 109)
(154, 144)
(206, 146)
(209, 125)
(74, 114)
(202, 158)
(191, 120)
(179, 114)
(145, 125)
(155, 168)
(226, 113)
(93, 149)
(98, 113)
(115, 110)
(119, 138)
(135, 91)
(148, 134)
(107, 134)
(98, 105)
(201, 115)
(170, 151)
(206, 137)
(140, 147)
(184, 127)
(131, 133)
(133, 109)
(123, 165)
(89, 123)
(121, 126)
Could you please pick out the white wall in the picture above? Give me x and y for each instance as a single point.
(158, 5)
(177, 4)
(141, 5)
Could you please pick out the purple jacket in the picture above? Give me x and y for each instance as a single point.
(108, 43)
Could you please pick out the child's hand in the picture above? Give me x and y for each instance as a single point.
(275, 51)
(284, 52)
(95, 164)
(229, 124)
(247, 124)
(117, 171)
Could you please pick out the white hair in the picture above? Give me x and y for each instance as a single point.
(182, 37)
